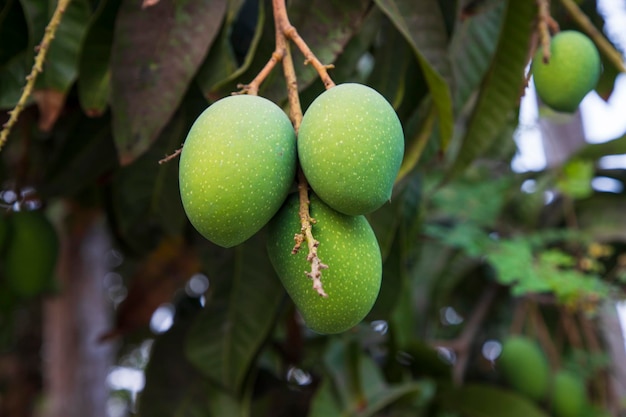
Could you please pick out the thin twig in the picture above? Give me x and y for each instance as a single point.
(290, 32)
(253, 87)
(306, 234)
(462, 344)
(571, 329)
(37, 68)
(295, 114)
(543, 335)
(172, 156)
(544, 28)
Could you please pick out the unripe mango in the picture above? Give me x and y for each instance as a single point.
(4, 232)
(573, 71)
(350, 249)
(350, 146)
(569, 395)
(525, 367)
(31, 253)
(237, 165)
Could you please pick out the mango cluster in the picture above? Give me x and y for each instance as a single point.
(29, 249)
(572, 71)
(526, 369)
(238, 166)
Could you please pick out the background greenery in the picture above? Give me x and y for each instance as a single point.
(470, 256)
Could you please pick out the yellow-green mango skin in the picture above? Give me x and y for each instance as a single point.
(350, 146)
(569, 396)
(573, 71)
(237, 165)
(525, 367)
(350, 249)
(31, 253)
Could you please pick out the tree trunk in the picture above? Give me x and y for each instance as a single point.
(75, 365)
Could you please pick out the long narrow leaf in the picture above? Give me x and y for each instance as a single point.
(422, 25)
(502, 87)
(156, 52)
(228, 334)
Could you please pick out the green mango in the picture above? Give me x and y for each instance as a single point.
(573, 71)
(350, 249)
(569, 395)
(236, 168)
(525, 367)
(350, 146)
(31, 254)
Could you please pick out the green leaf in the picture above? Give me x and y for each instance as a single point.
(36, 14)
(359, 388)
(155, 54)
(145, 194)
(173, 386)
(468, 236)
(324, 402)
(220, 67)
(85, 155)
(422, 25)
(485, 401)
(388, 396)
(595, 151)
(419, 129)
(390, 64)
(13, 78)
(471, 50)
(502, 87)
(61, 66)
(226, 337)
(602, 216)
(167, 363)
(514, 261)
(476, 198)
(13, 31)
(94, 83)
(343, 362)
(393, 283)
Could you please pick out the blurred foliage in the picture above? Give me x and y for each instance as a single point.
(472, 250)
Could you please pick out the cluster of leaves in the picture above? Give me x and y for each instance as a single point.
(122, 85)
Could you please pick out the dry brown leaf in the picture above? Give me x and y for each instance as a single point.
(50, 103)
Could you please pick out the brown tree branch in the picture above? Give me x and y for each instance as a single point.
(546, 22)
(462, 344)
(295, 114)
(37, 68)
(543, 335)
(289, 31)
(253, 87)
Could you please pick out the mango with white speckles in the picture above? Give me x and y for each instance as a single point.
(350, 249)
(236, 168)
(350, 146)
